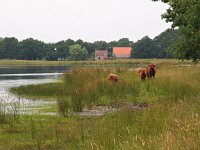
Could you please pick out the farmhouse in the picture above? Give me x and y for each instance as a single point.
(122, 52)
(101, 54)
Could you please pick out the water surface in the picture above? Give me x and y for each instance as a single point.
(13, 76)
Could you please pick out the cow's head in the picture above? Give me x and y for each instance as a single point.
(152, 66)
(142, 73)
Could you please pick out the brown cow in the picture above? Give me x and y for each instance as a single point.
(150, 71)
(142, 73)
(113, 77)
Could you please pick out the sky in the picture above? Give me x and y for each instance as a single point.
(89, 20)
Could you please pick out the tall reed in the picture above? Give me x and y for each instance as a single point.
(89, 87)
(9, 112)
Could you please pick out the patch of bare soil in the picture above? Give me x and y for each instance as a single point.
(103, 109)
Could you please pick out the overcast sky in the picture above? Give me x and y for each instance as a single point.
(89, 20)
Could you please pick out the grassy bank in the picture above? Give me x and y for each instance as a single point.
(46, 91)
(171, 122)
(105, 62)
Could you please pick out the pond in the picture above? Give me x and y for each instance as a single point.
(13, 76)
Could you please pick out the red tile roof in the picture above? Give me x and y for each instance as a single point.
(122, 50)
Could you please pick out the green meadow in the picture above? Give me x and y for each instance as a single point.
(171, 120)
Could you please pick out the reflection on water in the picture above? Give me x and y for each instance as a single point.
(32, 69)
(31, 72)
(5, 85)
(29, 76)
(25, 75)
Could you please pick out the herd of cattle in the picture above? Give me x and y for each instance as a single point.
(148, 72)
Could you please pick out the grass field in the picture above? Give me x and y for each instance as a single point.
(172, 120)
(106, 62)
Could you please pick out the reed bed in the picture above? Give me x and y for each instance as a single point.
(9, 113)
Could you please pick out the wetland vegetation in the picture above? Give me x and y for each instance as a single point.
(171, 120)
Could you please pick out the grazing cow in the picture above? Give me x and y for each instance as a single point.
(150, 71)
(142, 73)
(113, 78)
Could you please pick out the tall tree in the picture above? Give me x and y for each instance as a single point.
(90, 48)
(63, 48)
(100, 45)
(32, 49)
(77, 52)
(1, 50)
(164, 42)
(185, 14)
(145, 48)
(124, 42)
(50, 52)
(9, 48)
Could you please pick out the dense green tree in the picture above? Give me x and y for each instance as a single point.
(1, 50)
(90, 48)
(164, 42)
(112, 44)
(77, 52)
(9, 48)
(100, 45)
(185, 14)
(124, 42)
(31, 49)
(166, 38)
(80, 42)
(50, 52)
(62, 48)
(145, 48)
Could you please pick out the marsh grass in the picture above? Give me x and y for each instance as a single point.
(9, 113)
(63, 105)
(42, 91)
(172, 120)
(89, 87)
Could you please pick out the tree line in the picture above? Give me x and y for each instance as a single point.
(33, 49)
